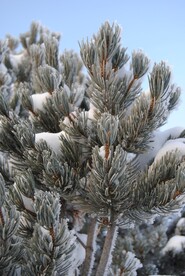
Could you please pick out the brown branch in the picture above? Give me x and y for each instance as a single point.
(90, 69)
(52, 234)
(89, 257)
(2, 217)
(34, 113)
(107, 151)
(122, 270)
(30, 212)
(152, 105)
(80, 241)
(107, 146)
(131, 83)
(177, 193)
(115, 67)
(106, 255)
(102, 66)
(72, 117)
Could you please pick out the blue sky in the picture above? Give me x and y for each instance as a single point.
(157, 27)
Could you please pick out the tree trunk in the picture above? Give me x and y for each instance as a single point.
(106, 256)
(90, 248)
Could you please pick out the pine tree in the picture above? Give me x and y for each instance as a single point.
(88, 180)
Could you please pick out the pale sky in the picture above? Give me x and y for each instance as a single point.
(157, 27)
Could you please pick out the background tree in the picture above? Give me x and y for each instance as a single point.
(83, 158)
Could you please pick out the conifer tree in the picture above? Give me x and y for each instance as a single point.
(87, 175)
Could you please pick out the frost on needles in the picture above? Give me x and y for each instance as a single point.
(89, 182)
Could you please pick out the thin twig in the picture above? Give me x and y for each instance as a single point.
(131, 83)
(2, 217)
(80, 241)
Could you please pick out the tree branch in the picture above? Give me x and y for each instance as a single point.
(106, 255)
(90, 250)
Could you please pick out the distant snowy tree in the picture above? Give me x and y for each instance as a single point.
(89, 183)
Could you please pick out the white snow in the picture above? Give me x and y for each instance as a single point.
(102, 152)
(45, 231)
(52, 139)
(3, 69)
(91, 114)
(38, 100)
(130, 156)
(180, 226)
(124, 71)
(16, 59)
(80, 250)
(173, 132)
(131, 263)
(92, 111)
(28, 203)
(67, 121)
(78, 253)
(176, 145)
(176, 244)
(181, 222)
(157, 142)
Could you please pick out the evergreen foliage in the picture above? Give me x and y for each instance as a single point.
(77, 195)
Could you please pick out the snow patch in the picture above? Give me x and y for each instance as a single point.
(123, 71)
(28, 203)
(176, 244)
(102, 152)
(177, 145)
(69, 119)
(130, 156)
(38, 100)
(158, 140)
(78, 253)
(52, 139)
(180, 226)
(3, 69)
(16, 59)
(92, 111)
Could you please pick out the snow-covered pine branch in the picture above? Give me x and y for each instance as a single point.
(86, 149)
